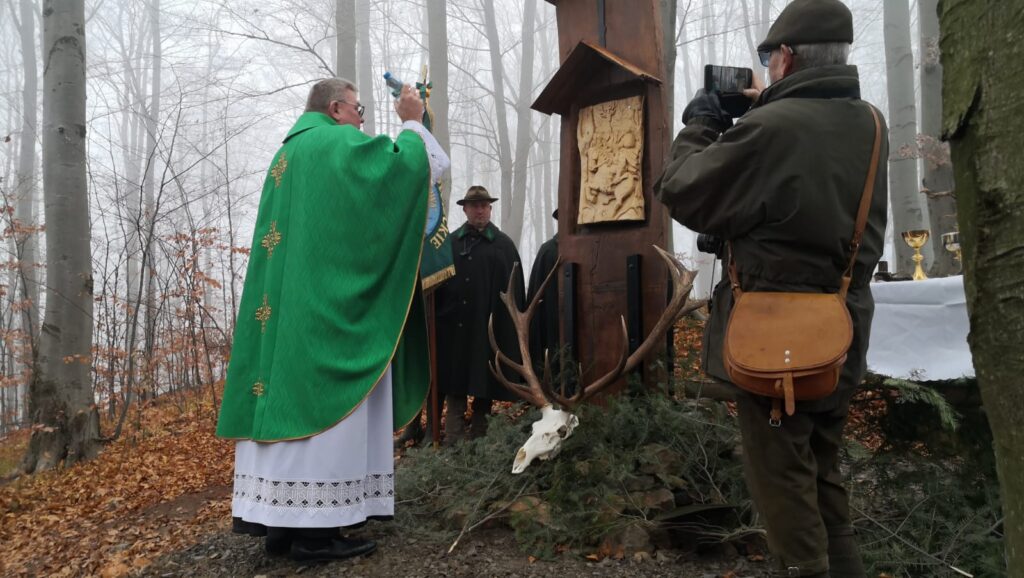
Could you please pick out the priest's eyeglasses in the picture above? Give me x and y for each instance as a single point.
(360, 109)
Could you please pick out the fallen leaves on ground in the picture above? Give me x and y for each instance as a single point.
(686, 341)
(155, 490)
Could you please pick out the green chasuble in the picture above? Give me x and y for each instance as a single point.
(332, 294)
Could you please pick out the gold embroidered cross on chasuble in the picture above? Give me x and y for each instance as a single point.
(271, 239)
(263, 313)
(278, 171)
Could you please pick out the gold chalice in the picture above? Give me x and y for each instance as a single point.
(951, 241)
(916, 239)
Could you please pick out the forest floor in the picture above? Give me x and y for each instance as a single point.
(157, 503)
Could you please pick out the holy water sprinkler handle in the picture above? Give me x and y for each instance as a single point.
(394, 84)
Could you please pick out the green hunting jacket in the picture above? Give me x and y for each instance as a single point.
(783, 186)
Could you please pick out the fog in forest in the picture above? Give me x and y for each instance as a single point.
(188, 101)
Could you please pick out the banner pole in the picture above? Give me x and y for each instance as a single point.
(435, 413)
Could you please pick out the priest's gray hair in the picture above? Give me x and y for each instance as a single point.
(327, 90)
(813, 55)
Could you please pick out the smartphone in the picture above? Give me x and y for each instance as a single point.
(727, 79)
(729, 82)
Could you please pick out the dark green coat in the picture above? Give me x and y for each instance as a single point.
(483, 264)
(544, 325)
(783, 184)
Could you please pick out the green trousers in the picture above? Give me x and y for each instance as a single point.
(793, 474)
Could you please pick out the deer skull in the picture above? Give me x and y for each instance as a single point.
(545, 442)
(556, 425)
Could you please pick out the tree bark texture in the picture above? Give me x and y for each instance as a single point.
(936, 167)
(983, 61)
(907, 207)
(60, 396)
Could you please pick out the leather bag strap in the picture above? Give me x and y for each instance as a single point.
(865, 205)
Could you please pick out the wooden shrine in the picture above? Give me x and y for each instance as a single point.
(614, 138)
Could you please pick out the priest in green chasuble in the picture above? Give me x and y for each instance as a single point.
(330, 347)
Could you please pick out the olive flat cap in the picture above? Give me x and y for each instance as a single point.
(810, 22)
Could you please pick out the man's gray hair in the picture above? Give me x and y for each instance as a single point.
(326, 90)
(813, 55)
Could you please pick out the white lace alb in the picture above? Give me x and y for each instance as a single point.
(313, 494)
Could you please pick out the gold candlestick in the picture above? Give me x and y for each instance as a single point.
(916, 239)
(951, 241)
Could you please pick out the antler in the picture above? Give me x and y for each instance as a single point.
(540, 392)
(533, 391)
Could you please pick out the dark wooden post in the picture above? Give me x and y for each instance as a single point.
(609, 50)
(433, 398)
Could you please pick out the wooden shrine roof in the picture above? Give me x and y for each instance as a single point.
(583, 63)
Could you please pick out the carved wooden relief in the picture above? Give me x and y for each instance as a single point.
(611, 142)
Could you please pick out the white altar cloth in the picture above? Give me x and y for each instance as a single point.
(920, 330)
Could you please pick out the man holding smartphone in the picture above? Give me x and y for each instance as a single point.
(782, 185)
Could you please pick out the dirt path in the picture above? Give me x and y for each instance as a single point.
(489, 553)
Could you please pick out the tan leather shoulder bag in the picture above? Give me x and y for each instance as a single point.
(792, 346)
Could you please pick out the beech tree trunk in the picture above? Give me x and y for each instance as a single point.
(548, 194)
(524, 126)
(506, 200)
(907, 208)
(437, 21)
(982, 121)
(669, 8)
(150, 218)
(936, 167)
(345, 55)
(60, 396)
(365, 55)
(25, 194)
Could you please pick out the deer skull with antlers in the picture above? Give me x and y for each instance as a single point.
(556, 425)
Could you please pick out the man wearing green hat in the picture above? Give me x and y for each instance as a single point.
(782, 185)
(485, 259)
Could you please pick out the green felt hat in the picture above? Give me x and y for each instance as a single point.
(810, 22)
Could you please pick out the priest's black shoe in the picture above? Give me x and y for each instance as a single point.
(278, 541)
(325, 550)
